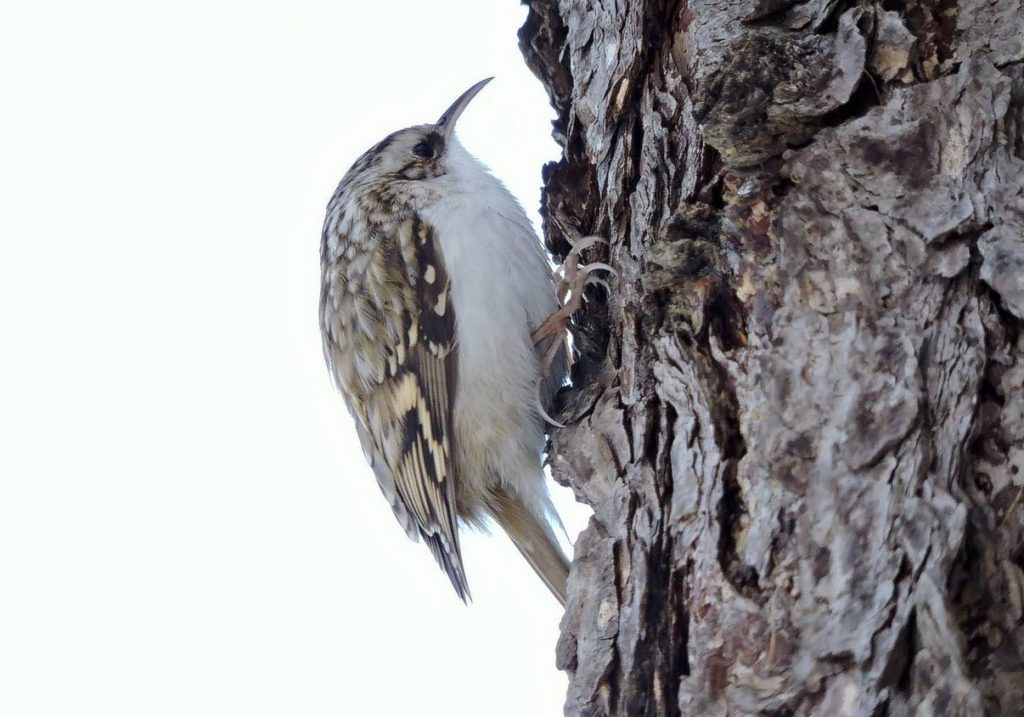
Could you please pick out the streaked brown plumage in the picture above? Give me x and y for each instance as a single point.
(432, 282)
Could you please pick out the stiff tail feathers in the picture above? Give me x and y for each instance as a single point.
(534, 538)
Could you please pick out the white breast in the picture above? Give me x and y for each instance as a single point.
(501, 289)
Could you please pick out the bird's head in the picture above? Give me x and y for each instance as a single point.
(422, 152)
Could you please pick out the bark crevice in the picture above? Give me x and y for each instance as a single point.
(799, 417)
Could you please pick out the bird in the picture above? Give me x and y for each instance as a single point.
(443, 328)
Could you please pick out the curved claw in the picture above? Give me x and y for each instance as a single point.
(582, 244)
(597, 266)
(544, 414)
(570, 279)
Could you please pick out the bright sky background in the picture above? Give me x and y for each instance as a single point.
(187, 526)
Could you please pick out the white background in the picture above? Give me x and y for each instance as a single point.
(187, 526)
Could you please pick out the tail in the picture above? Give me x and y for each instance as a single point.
(534, 538)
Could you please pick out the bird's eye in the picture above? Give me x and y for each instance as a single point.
(424, 150)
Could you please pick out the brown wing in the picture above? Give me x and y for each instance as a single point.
(406, 351)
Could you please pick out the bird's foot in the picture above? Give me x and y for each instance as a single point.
(571, 279)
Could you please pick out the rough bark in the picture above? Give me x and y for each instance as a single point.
(799, 415)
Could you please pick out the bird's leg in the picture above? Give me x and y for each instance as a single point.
(572, 278)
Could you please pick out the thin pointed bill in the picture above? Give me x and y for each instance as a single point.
(451, 115)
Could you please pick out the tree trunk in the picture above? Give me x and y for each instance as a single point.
(799, 415)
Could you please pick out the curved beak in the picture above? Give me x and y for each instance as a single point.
(451, 115)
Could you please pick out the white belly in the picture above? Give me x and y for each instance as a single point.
(501, 289)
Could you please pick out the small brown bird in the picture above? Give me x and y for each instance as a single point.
(443, 329)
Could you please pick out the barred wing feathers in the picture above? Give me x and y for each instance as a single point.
(406, 346)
